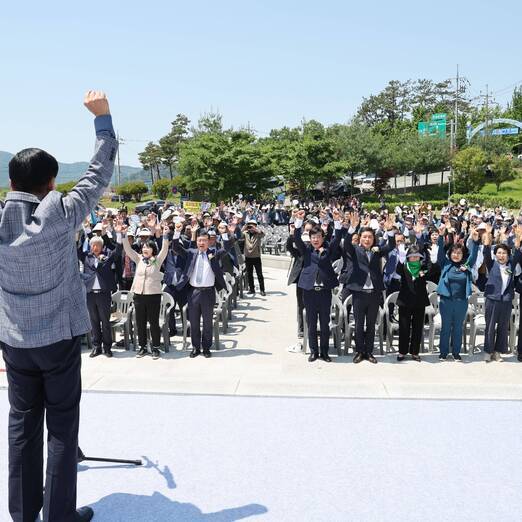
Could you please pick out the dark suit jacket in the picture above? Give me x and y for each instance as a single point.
(174, 264)
(104, 271)
(191, 255)
(358, 266)
(413, 294)
(493, 289)
(315, 264)
(297, 261)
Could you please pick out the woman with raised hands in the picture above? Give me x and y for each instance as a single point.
(146, 287)
(454, 290)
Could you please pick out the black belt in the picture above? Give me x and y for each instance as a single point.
(201, 287)
(98, 291)
(319, 288)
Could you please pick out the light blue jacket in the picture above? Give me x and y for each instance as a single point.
(445, 266)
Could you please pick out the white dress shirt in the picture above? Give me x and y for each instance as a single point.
(208, 278)
(505, 276)
(96, 284)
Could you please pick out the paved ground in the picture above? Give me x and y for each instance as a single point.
(274, 437)
(222, 459)
(256, 362)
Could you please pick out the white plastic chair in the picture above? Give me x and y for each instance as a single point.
(391, 326)
(121, 318)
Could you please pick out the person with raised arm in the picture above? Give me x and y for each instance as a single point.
(43, 314)
(317, 279)
(366, 282)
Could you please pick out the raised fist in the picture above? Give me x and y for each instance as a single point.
(97, 103)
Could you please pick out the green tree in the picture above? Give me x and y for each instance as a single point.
(134, 189)
(151, 160)
(430, 154)
(503, 170)
(162, 188)
(469, 169)
(171, 143)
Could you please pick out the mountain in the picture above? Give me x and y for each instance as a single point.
(73, 171)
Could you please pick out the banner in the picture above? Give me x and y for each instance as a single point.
(195, 207)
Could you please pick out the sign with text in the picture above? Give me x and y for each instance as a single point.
(195, 207)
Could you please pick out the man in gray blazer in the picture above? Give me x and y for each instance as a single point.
(43, 313)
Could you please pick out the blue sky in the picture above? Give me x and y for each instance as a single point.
(267, 63)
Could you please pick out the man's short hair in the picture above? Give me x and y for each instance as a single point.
(202, 232)
(31, 170)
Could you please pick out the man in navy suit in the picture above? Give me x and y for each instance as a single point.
(202, 275)
(317, 279)
(174, 267)
(100, 281)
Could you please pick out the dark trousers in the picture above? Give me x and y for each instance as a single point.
(43, 380)
(99, 306)
(317, 304)
(201, 303)
(251, 263)
(411, 324)
(497, 316)
(519, 343)
(126, 283)
(365, 309)
(180, 299)
(300, 308)
(147, 309)
(394, 285)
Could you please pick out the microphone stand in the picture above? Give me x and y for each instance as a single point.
(82, 457)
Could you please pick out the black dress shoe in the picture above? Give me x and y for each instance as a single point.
(358, 357)
(207, 354)
(108, 353)
(325, 357)
(142, 353)
(519, 357)
(95, 352)
(371, 358)
(84, 514)
(194, 353)
(313, 357)
(263, 293)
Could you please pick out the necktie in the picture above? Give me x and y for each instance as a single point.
(199, 269)
(368, 279)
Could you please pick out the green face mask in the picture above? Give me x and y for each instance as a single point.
(414, 267)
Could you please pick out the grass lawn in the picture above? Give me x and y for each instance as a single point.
(511, 189)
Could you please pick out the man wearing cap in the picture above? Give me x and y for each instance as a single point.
(252, 251)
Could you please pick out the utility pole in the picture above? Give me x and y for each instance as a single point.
(456, 115)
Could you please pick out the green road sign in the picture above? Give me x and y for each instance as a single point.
(432, 128)
(439, 116)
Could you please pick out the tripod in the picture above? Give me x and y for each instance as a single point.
(82, 457)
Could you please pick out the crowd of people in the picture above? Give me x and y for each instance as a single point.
(460, 249)
(167, 250)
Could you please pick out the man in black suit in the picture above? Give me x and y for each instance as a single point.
(317, 279)
(202, 276)
(100, 281)
(365, 281)
(295, 271)
(174, 267)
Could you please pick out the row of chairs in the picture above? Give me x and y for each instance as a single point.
(342, 323)
(274, 240)
(123, 317)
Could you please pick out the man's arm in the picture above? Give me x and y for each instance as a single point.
(84, 196)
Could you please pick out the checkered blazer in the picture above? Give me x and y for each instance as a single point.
(42, 297)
